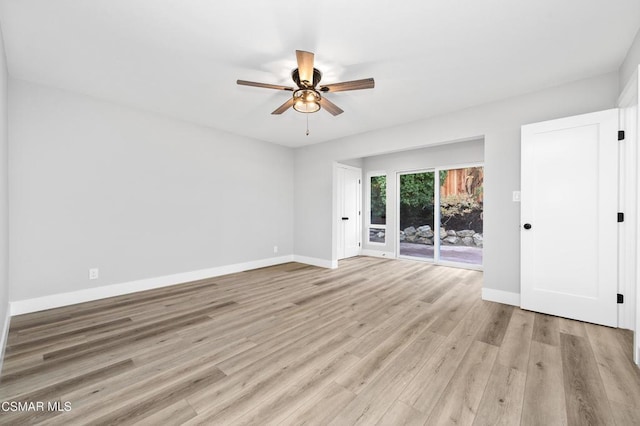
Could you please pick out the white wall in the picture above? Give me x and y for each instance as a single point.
(138, 195)
(630, 64)
(415, 159)
(498, 122)
(4, 204)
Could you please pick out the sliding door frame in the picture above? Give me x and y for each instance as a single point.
(397, 221)
(436, 216)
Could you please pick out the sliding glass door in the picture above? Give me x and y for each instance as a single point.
(440, 215)
(461, 216)
(417, 200)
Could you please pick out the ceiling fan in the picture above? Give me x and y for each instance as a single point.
(306, 97)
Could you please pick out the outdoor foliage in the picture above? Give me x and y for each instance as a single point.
(417, 189)
(417, 198)
(378, 200)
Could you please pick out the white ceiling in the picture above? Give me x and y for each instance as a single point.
(182, 58)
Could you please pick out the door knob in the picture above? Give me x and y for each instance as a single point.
(527, 226)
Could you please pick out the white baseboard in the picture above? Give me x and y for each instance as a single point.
(19, 307)
(500, 296)
(379, 253)
(5, 335)
(314, 261)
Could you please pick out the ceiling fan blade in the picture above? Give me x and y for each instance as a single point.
(366, 83)
(264, 85)
(332, 108)
(282, 108)
(305, 66)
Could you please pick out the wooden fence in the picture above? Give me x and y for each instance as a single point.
(464, 182)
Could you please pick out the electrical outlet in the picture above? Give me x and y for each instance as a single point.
(275, 249)
(516, 196)
(94, 273)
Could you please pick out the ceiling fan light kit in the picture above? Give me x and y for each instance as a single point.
(306, 98)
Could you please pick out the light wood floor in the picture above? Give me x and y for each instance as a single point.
(376, 341)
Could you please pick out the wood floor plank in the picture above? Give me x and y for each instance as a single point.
(375, 341)
(460, 400)
(454, 305)
(41, 374)
(568, 326)
(439, 369)
(275, 409)
(295, 338)
(375, 361)
(54, 390)
(226, 399)
(147, 365)
(291, 372)
(625, 415)
(501, 402)
(544, 387)
(545, 329)
(616, 369)
(432, 293)
(372, 403)
(135, 333)
(319, 410)
(585, 395)
(39, 340)
(401, 414)
(368, 342)
(514, 351)
(157, 398)
(496, 327)
(173, 415)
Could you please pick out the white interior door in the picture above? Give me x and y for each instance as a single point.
(569, 217)
(349, 211)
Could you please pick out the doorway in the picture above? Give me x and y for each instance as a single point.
(440, 215)
(349, 201)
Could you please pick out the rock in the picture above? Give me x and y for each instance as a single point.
(429, 241)
(477, 239)
(465, 233)
(453, 240)
(410, 238)
(443, 233)
(402, 236)
(410, 231)
(451, 233)
(380, 235)
(425, 231)
(467, 241)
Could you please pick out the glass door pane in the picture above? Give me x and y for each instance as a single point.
(378, 209)
(461, 223)
(417, 215)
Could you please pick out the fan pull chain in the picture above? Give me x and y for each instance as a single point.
(307, 124)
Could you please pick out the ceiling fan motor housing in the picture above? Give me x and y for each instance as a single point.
(317, 76)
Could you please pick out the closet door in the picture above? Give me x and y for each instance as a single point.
(568, 224)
